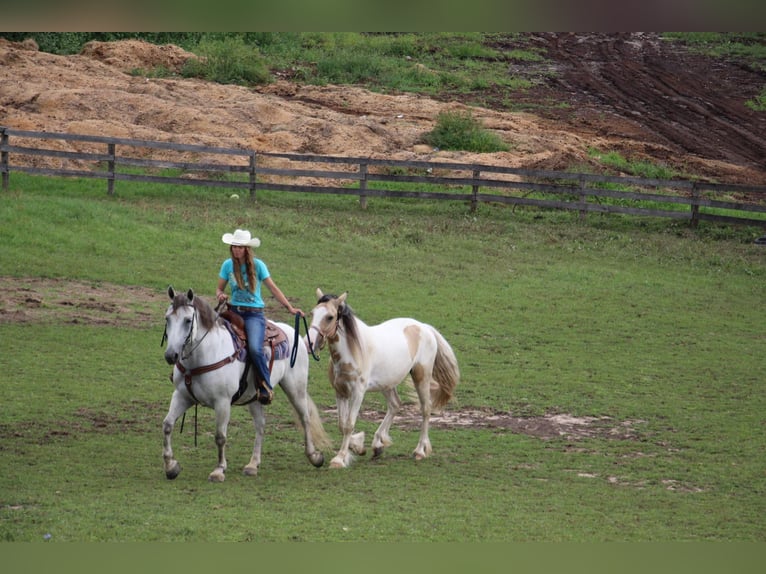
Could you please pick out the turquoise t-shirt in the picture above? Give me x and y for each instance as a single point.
(244, 297)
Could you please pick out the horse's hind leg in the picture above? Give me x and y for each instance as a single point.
(382, 439)
(259, 422)
(422, 379)
(222, 415)
(178, 406)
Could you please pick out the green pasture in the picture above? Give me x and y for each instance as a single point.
(654, 330)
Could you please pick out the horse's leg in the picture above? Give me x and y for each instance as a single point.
(259, 422)
(382, 438)
(422, 379)
(297, 394)
(178, 406)
(348, 409)
(222, 415)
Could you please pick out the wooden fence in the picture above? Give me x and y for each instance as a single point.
(97, 157)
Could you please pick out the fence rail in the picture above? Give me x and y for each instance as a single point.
(32, 152)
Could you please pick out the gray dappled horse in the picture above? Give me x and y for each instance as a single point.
(208, 366)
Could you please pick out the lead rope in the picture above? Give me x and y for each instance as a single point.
(183, 419)
(294, 352)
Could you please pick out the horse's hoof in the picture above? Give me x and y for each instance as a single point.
(358, 449)
(337, 463)
(173, 471)
(250, 470)
(376, 452)
(217, 476)
(316, 458)
(356, 445)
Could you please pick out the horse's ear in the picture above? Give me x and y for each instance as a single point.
(342, 298)
(319, 294)
(171, 292)
(190, 295)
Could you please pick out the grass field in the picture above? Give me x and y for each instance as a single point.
(651, 332)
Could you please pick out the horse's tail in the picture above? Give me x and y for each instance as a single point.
(316, 430)
(446, 372)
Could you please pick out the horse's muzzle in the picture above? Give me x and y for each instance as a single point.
(171, 357)
(319, 342)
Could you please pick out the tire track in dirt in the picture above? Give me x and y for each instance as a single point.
(690, 103)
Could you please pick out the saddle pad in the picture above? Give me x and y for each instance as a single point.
(281, 350)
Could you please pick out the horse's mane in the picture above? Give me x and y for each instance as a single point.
(348, 324)
(207, 315)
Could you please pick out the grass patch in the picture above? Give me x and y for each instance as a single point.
(643, 169)
(758, 103)
(228, 61)
(748, 46)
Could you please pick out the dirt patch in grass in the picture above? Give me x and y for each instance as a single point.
(546, 427)
(64, 301)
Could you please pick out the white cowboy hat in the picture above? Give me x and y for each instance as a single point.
(241, 237)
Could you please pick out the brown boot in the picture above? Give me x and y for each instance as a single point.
(264, 393)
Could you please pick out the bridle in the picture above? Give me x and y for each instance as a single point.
(328, 335)
(190, 373)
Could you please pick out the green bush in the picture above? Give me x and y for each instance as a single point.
(461, 131)
(228, 61)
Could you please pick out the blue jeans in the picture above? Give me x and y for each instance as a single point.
(255, 327)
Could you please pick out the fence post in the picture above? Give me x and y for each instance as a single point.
(4, 159)
(695, 214)
(252, 175)
(363, 185)
(475, 191)
(110, 169)
(583, 199)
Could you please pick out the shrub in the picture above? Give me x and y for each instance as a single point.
(461, 131)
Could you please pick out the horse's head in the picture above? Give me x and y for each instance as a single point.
(180, 323)
(326, 317)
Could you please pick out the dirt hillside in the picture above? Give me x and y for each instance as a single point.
(633, 93)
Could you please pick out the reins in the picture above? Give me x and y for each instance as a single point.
(294, 352)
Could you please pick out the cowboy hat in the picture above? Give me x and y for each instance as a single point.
(241, 237)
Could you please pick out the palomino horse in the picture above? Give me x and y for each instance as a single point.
(378, 358)
(209, 364)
